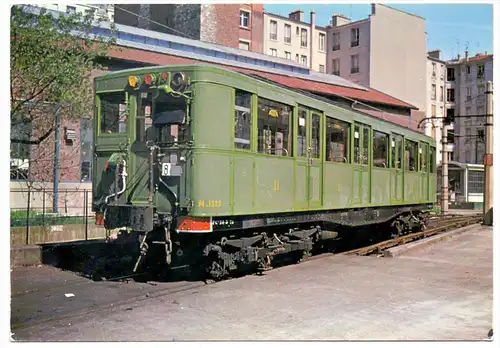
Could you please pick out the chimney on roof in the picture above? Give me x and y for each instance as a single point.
(435, 54)
(339, 19)
(297, 15)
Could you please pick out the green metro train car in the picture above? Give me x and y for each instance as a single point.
(219, 168)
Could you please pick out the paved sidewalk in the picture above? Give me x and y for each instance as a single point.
(441, 292)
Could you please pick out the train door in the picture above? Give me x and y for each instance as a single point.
(140, 170)
(397, 168)
(422, 172)
(361, 165)
(308, 171)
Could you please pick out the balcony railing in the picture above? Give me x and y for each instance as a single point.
(354, 70)
(288, 39)
(354, 43)
(336, 47)
(273, 36)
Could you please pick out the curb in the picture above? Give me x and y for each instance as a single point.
(401, 249)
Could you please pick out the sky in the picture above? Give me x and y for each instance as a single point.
(449, 26)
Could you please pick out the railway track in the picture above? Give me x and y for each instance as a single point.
(442, 225)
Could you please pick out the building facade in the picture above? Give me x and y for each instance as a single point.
(230, 25)
(465, 97)
(292, 38)
(436, 101)
(104, 12)
(387, 51)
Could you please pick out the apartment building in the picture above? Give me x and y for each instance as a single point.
(386, 51)
(230, 25)
(292, 38)
(436, 100)
(465, 96)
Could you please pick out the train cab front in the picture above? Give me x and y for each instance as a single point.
(141, 152)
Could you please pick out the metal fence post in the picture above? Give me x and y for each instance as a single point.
(43, 212)
(28, 217)
(86, 211)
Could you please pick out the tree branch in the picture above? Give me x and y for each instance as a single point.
(33, 142)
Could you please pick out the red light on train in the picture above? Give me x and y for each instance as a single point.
(148, 79)
(164, 76)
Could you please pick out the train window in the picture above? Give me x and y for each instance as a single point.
(432, 159)
(301, 134)
(356, 144)
(380, 142)
(423, 157)
(113, 113)
(275, 128)
(361, 136)
(396, 151)
(366, 141)
(315, 138)
(337, 137)
(411, 156)
(242, 120)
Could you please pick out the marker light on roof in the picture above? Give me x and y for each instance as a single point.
(149, 79)
(133, 81)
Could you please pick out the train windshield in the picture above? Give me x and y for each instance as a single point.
(161, 119)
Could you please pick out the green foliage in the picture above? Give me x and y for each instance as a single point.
(51, 61)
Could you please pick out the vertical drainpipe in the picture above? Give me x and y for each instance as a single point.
(311, 42)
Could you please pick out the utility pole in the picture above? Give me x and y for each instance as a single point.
(444, 170)
(55, 204)
(488, 158)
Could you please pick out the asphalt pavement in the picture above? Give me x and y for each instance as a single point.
(440, 292)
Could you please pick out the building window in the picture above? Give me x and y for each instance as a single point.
(480, 111)
(336, 41)
(380, 145)
(433, 110)
(303, 37)
(303, 60)
(480, 90)
(321, 42)
(244, 19)
(450, 74)
(468, 69)
(297, 57)
(86, 136)
(242, 120)
(467, 110)
(433, 69)
(288, 55)
(336, 66)
(337, 140)
(274, 128)
(355, 63)
(321, 68)
(273, 30)
(19, 152)
(70, 9)
(441, 93)
(288, 33)
(450, 95)
(244, 45)
(480, 71)
(433, 92)
(354, 37)
(273, 52)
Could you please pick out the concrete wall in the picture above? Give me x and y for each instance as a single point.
(71, 197)
(345, 52)
(398, 55)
